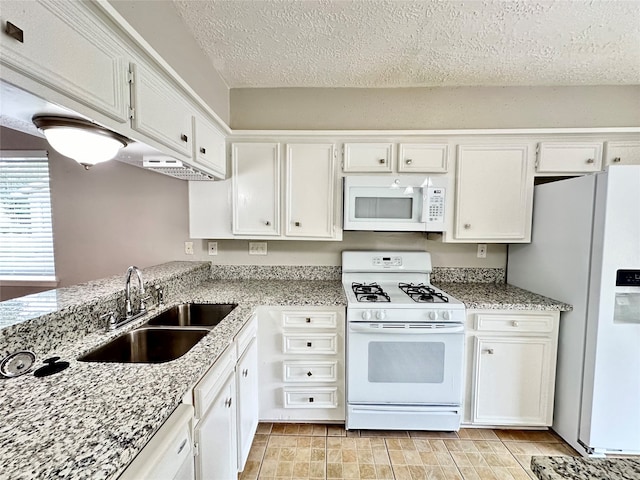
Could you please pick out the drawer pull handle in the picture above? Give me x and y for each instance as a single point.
(203, 150)
(590, 160)
(14, 32)
(184, 138)
(308, 344)
(382, 161)
(467, 226)
(267, 223)
(309, 373)
(515, 323)
(181, 447)
(616, 160)
(310, 399)
(489, 351)
(245, 372)
(227, 402)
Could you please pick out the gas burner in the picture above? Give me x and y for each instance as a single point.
(422, 293)
(369, 292)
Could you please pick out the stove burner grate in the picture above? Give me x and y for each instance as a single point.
(422, 293)
(369, 292)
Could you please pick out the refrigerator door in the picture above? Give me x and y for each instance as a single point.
(610, 417)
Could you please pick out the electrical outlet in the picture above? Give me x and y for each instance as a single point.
(482, 250)
(188, 248)
(257, 248)
(213, 248)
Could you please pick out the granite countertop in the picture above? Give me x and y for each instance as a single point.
(90, 420)
(576, 468)
(500, 296)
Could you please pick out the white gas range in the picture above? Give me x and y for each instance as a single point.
(405, 341)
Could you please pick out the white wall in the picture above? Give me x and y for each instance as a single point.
(109, 217)
(434, 108)
(159, 24)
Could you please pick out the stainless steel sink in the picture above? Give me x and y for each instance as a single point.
(147, 345)
(194, 315)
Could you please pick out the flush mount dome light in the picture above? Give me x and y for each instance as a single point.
(81, 140)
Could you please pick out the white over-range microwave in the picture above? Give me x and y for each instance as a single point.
(395, 203)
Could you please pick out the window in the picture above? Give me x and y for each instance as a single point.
(26, 236)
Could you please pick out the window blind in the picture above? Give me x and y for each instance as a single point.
(26, 235)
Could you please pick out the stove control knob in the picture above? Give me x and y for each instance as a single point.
(381, 314)
(433, 316)
(446, 315)
(366, 315)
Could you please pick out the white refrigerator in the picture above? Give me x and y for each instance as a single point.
(585, 251)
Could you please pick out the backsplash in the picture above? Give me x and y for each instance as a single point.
(275, 272)
(467, 275)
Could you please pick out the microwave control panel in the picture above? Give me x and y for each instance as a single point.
(434, 198)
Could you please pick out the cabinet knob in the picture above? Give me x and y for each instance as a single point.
(590, 160)
(616, 160)
(203, 150)
(515, 323)
(309, 374)
(382, 161)
(308, 320)
(408, 161)
(467, 226)
(267, 223)
(489, 351)
(227, 402)
(245, 372)
(308, 344)
(298, 224)
(14, 32)
(184, 138)
(310, 399)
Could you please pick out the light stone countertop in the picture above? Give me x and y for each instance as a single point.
(576, 468)
(90, 420)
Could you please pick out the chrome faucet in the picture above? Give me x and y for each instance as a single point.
(128, 309)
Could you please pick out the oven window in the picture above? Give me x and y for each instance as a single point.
(406, 362)
(383, 207)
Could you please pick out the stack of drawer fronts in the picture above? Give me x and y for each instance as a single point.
(301, 351)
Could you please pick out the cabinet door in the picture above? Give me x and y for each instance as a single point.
(419, 158)
(215, 436)
(256, 188)
(67, 49)
(310, 193)
(558, 158)
(368, 157)
(494, 194)
(209, 146)
(512, 381)
(160, 111)
(623, 153)
(247, 385)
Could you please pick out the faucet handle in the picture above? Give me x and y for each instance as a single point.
(143, 306)
(160, 295)
(110, 317)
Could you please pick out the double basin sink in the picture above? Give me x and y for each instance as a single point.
(163, 338)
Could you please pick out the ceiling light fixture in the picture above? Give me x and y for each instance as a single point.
(81, 140)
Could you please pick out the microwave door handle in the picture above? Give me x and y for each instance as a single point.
(393, 329)
(425, 206)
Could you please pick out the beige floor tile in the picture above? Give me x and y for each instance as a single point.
(401, 472)
(367, 471)
(300, 470)
(284, 469)
(317, 470)
(485, 473)
(305, 429)
(319, 430)
(384, 433)
(412, 457)
(336, 431)
(439, 435)
(438, 446)
(451, 473)
(384, 472)
(461, 445)
(334, 470)
(264, 428)
(477, 434)
(445, 459)
(282, 441)
(350, 470)
(251, 470)
(469, 473)
(527, 435)
(417, 472)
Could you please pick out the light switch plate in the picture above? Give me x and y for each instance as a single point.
(213, 248)
(257, 248)
(188, 248)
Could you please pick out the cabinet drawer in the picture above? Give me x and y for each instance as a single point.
(514, 323)
(569, 157)
(309, 319)
(423, 158)
(308, 343)
(206, 390)
(317, 371)
(623, 153)
(368, 157)
(318, 397)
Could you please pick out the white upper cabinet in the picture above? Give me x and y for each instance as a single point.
(210, 151)
(494, 194)
(569, 157)
(368, 157)
(423, 157)
(623, 153)
(310, 190)
(256, 189)
(161, 112)
(69, 51)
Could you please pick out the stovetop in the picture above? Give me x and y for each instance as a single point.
(397, 294)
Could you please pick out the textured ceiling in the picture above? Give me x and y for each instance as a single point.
(381, 43)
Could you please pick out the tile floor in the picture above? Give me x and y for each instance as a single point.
(306, 451)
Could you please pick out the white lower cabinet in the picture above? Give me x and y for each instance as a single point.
(247, 389)
(215, 428)
(511, 358)
(301, 352)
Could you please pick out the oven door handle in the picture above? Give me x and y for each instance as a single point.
(390, 328)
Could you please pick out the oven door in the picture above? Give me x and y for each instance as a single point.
(405, 363)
